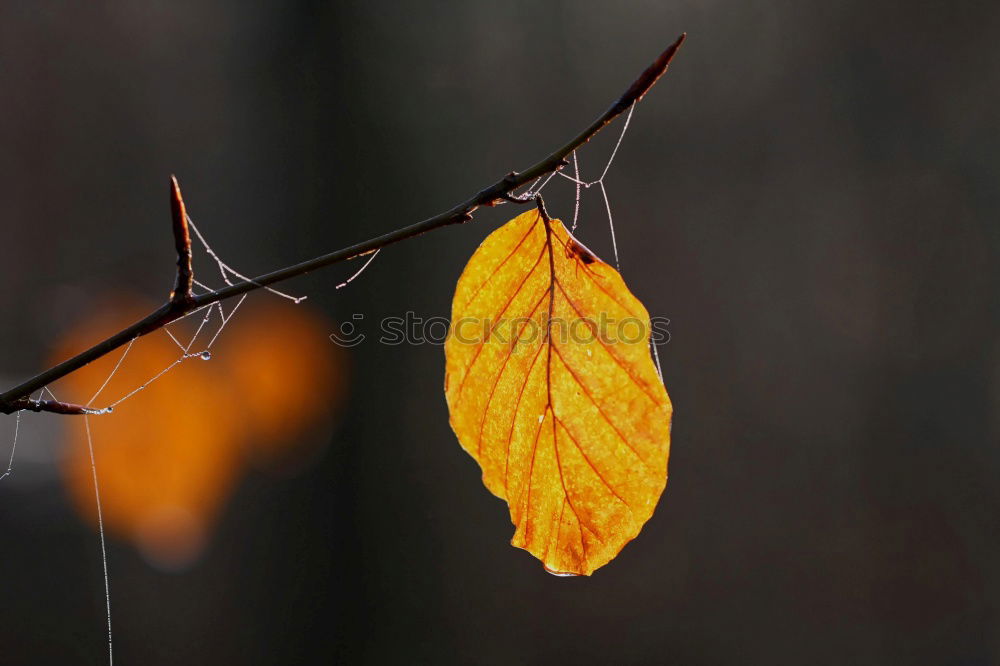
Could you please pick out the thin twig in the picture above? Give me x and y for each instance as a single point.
(16, 398)
(54, 406)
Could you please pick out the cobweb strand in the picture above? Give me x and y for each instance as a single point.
(576, 203)
(226, 270)
(359, 271)
(13, 447)
(618, 144)
(180, 345)
(611, 225)
(113, 372)
(100, 530)
(225, 320)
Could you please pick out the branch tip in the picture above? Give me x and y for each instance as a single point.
(646, 80)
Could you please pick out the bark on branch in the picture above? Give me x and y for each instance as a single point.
(183, 301)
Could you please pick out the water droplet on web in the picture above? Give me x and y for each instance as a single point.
(205, 355)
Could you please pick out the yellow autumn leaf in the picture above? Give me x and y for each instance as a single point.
(552, 390)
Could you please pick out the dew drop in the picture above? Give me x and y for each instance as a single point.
(205, 355)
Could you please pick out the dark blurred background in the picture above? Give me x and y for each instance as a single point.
(809, 195)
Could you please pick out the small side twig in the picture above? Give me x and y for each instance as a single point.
(182, 294)
(183, 301)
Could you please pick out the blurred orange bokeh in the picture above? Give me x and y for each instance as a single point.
(169, 456)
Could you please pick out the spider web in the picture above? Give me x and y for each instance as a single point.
(215, 318)
(214, 312)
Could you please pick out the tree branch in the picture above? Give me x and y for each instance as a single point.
(182, 301)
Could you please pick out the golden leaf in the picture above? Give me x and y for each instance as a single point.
(552, 390)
